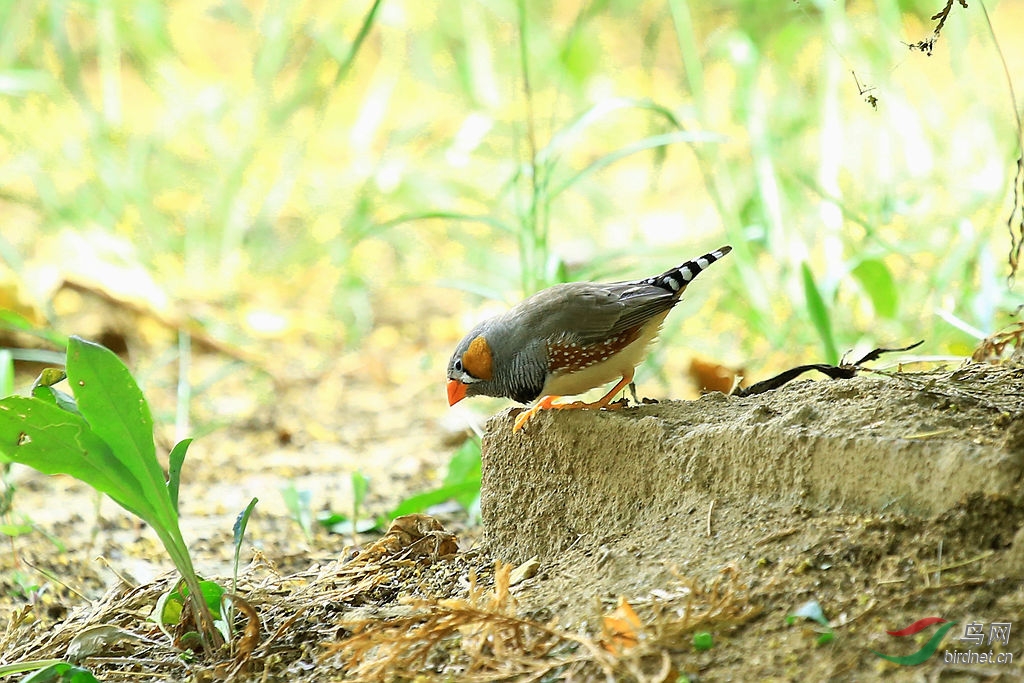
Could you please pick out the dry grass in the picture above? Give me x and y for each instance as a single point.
(483, 637)
(409, 606)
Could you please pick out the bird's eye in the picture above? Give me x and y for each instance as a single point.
(458, 365)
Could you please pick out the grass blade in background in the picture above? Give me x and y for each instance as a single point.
(238, 533)
(819, 314)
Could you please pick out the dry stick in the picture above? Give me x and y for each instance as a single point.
(53, 577)
(711, 509)
(777, 536)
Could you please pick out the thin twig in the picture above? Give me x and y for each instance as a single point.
(711, 509)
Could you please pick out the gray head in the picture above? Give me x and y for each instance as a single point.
(492, 360)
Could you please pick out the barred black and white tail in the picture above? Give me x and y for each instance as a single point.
(676, 279)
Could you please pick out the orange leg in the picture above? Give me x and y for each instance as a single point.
(548, 403)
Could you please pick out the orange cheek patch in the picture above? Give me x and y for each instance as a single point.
(477, 359)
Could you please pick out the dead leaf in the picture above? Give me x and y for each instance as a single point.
(621, 629)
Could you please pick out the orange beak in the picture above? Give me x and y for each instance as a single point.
(456, 391)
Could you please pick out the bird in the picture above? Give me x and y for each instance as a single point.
(568, 339)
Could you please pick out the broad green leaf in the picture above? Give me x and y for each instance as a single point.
(169, 606)
(175, 462)
(874, 276)
(212, 593)
(465, 463)
(337, 523)
(54, 441)
(112, 403)
(327, 519)
(819, 313)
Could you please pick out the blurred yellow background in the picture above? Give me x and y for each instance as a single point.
(328, 173)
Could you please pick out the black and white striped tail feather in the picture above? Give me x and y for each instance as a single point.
(676, 279)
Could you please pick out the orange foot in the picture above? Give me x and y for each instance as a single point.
(548, 403)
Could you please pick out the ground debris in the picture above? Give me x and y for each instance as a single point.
(485, 637)
(282, 620)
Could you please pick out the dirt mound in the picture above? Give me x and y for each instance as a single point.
(885, 499)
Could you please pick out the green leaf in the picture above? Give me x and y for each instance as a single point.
(15, 529)
(819, 313)
(298, 505)
(876, 279)
(422, 501)
(337, 523)
(360, 486)
(48, 377)
(109, 445)
(465, 467)
(115, 408)
(175, 462)
(238, 529)
(167, 611)
(54, 441)
(465, 463)
(31, 665)
(212, 593)
(61, 673)
(170, 604)
(55, 397)
(15, 321)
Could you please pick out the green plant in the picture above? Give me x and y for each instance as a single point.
(298, 501)
(103, 436)
(49, 671)
(461, 483)
(339, 523)
(220, 602)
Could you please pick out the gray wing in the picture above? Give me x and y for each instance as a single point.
(588, 313)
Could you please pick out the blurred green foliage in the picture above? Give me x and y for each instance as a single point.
(500, 146)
